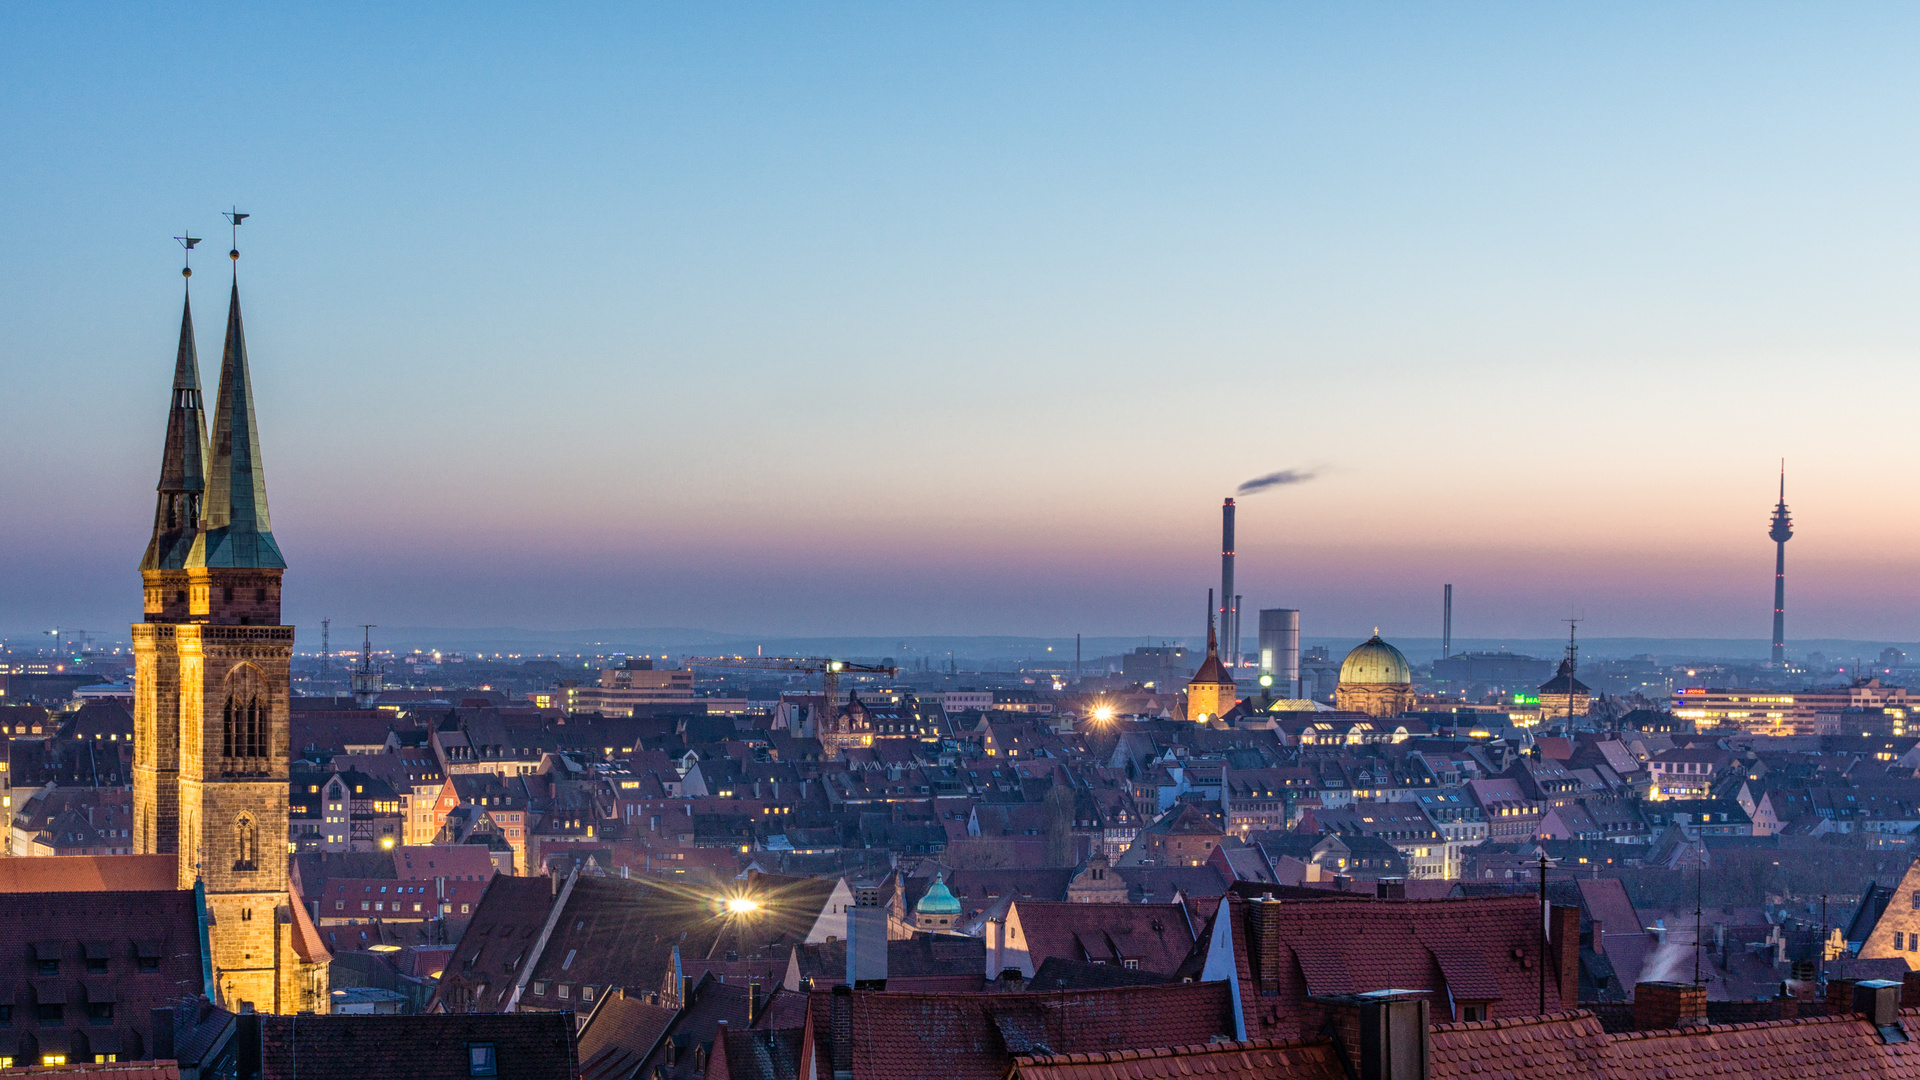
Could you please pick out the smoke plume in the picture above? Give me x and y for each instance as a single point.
(1274, 480)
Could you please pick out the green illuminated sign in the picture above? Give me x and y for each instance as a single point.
(1526, 699)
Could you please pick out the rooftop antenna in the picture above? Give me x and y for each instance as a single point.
(1573, 621)
(366, 681)
(1546, 915)
(326, 648)
(1699, 888)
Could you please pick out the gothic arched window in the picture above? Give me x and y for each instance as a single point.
(243, 844)
(245, 721)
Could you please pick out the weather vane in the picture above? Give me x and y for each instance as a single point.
(187, 242)
(235, 217)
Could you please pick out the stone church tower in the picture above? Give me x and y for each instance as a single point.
(211, 710)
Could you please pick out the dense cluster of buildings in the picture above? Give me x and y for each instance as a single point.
(635, 877)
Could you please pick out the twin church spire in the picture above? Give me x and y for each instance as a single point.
(212, 506)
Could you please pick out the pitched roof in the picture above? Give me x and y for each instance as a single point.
(1563, 1045)
(529, 1046)
(1155, 935)
(619, 1035)
(90, 873)
(122, 928)
(887, 1035)
(236, 529)
(1259, 1059)
(1483, 949)
(1571, 1046)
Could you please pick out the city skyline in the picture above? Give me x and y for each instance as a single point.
(935, 345)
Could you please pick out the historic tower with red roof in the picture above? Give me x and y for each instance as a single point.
(212, 681)
(1211, 692)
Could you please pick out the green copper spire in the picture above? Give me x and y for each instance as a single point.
(176, 517)
(235, 529)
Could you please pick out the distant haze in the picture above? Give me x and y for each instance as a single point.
(918, 320)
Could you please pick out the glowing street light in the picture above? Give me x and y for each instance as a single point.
(742, 905)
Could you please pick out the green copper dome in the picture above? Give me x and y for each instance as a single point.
(1374, 661)
(939, 899)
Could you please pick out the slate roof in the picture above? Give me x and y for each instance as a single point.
(619, 1035)
(527, 1046)
(620, 932)
(1259, 1059)
(756, 1054)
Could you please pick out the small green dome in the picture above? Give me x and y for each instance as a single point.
(939, 899)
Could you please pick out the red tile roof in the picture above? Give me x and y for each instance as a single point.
(128, 930)
(1483, 950)
(90, 873)
(1156, 935)
(1563, 1045)
(1572, 1046)
(888, 1035)
(306, 938)
(1260, 1059)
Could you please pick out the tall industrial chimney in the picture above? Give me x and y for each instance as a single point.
(1226, 582)
(1446, 625)
(1236, 630)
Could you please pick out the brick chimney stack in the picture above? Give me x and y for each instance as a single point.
(1659, 1005)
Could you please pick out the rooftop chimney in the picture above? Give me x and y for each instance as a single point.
(1383, 1033)
(867, 940)
(1879, 1001)
(1659, 1005)
(246, 1041)
(162, 1021)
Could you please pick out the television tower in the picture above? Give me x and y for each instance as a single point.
(1781, 532)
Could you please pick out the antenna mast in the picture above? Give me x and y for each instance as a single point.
(366, 680)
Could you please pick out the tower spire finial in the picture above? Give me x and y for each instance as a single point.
(234, 218)
(235, 528)
(176, 517)
(186, 262)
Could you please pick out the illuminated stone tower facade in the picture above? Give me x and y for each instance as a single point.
(211, 709)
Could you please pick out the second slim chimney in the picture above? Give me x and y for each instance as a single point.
(1227, 623)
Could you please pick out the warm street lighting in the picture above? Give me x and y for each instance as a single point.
(741, 905)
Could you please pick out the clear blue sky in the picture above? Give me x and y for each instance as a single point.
(796, 318)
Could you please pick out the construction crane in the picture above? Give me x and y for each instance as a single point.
(61, 633)
(827, 724)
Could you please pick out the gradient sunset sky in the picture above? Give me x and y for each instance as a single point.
(962, 319)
